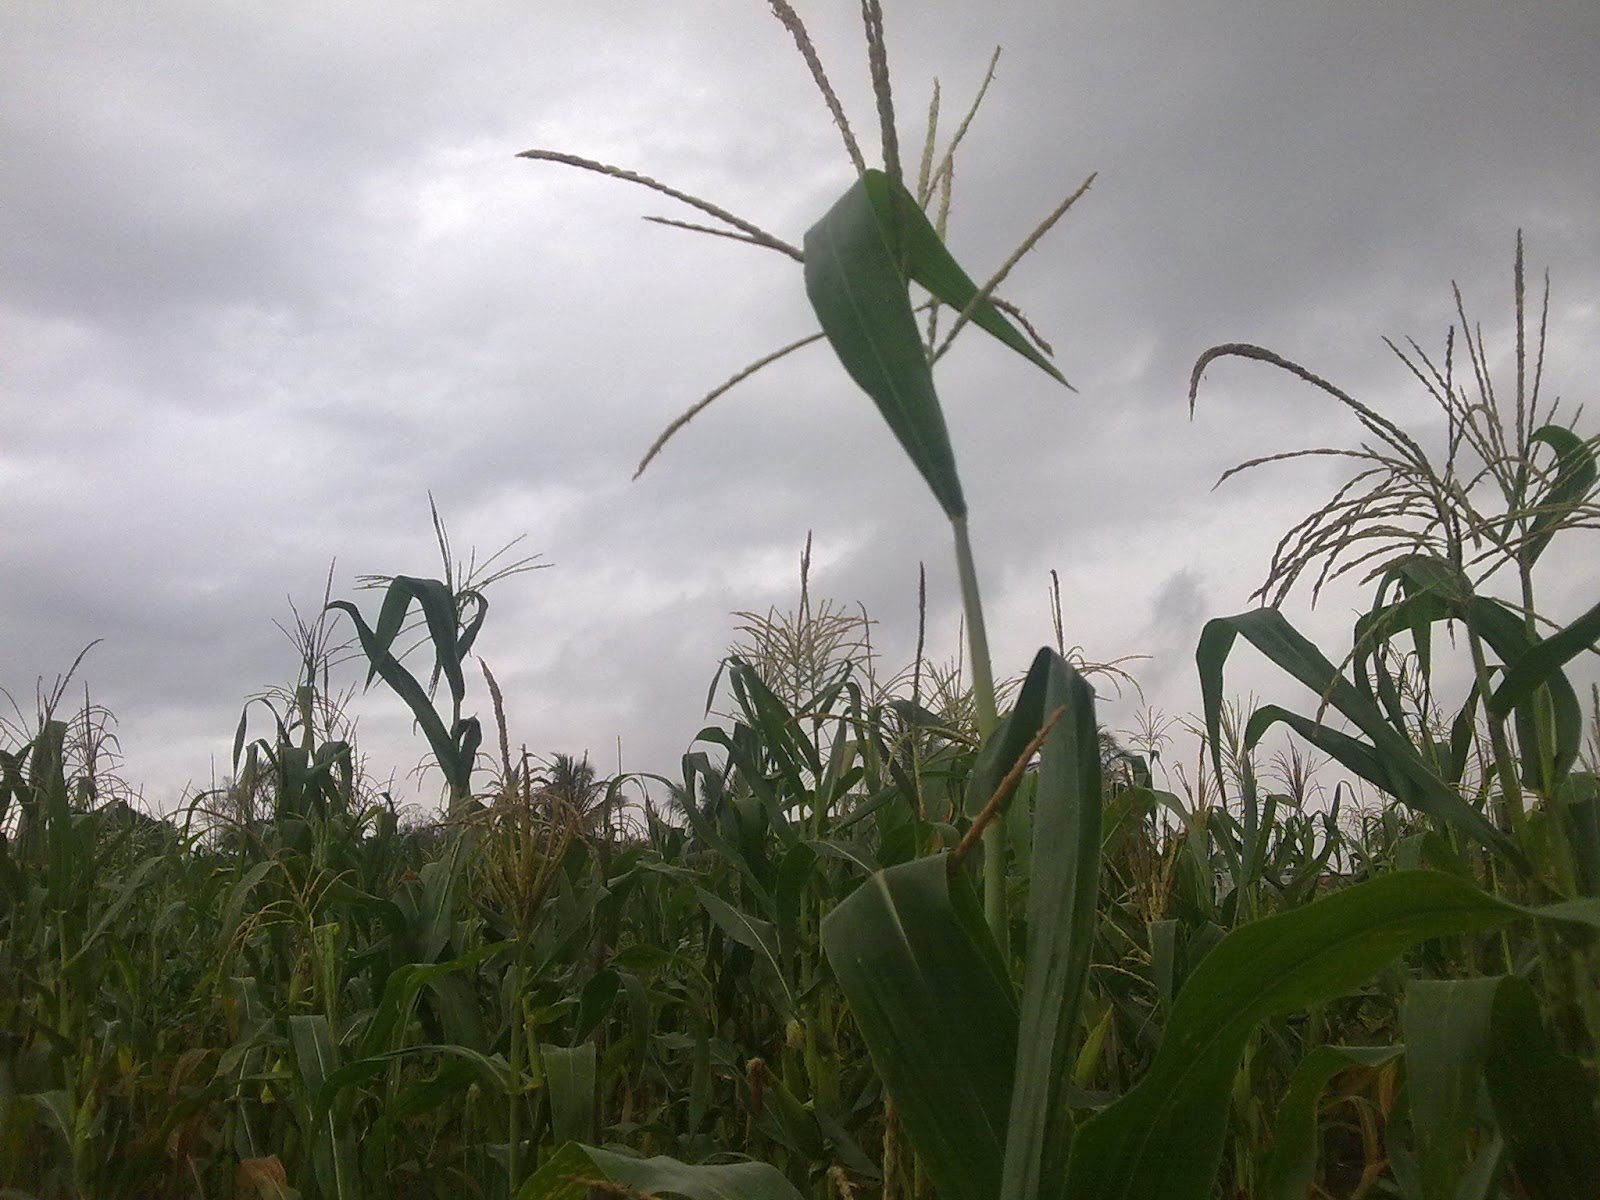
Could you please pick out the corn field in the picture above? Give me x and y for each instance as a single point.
(933, 935)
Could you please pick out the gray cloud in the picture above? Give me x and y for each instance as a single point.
(269, 277)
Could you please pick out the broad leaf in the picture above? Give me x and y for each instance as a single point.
(930, 264)
(1164, 1138)
(755, 933)
(1445, 1023)
(573, 1170)
(919, 967)
(1061, 923)
(1575, 477)
(1293, 1165)
(1543, 1100)
(1397, 767)
(859, 295)
(569, 1076)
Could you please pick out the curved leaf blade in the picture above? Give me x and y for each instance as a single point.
(859, 295)
(1164, 1138)
(1293, 1165)
(571, 1171)
(1543, 1100)
(1445, 1023)
(930, 264)
(919, 967)
(1061, 927)
(1575, 477)
(1412, 779)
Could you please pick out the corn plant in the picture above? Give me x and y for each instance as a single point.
(1432, 535)
(935, 935)
(979, 1067)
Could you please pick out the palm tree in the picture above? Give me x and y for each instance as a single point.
(573, 783)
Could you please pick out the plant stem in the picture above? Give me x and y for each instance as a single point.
(514, 1113)
(994, 838)
(977, 638)
(1505, 767)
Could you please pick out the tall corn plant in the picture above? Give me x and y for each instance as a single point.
(1435, 533)
(1497, 785)
(452, 614)
(89, 1013)
(977, 1066)
(858, 261)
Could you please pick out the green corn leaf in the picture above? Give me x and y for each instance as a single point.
(1061, 924)
(1293, 1165)
(781, 741)
(439, 616)
(573, 1170)
(748, 755)
(786, 1121)
(238, 895)
(1351, 753)
(333, 1144)
(1578, 805)
(435, 903)
(929, 264)
(491, 1074)
(1536, 665)
(641, 1024)
(1410, 778)
(124, 891)
(1439, 591)
(402, 682)
(569, 1074)
(1164, 1138)
(470, 626)
(1164, 958)
(859, 295)
(53, 1109)
(858, 856)
(758, 935)
(465, 739)
(1445, 1023)
(387, 1027)
(1539, 679)
(314, 1050)
(919, 967)
(595, 1001)
(454, 1001)
(1543, 1100)
(795, 873)
(448, 1083)
(1574, 479)
(1001, 751)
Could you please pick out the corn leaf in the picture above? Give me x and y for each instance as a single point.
(858, 292)
(1061, 924)
(333, 1151)
(569, 1074)
(1000, 752)
(1543, 1100)
(919, 967)
(1574, 479)
(930, 265)
(1293, 1165)
(1445, 1023)
(573, 1170)
(754, 933)
(1536, 666)
(1164, 1138)
(1394, 763)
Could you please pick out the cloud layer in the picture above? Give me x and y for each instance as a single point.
(270, 277)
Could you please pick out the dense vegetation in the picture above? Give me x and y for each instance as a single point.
(920, 937)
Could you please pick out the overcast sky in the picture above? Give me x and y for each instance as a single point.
(270, 274)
